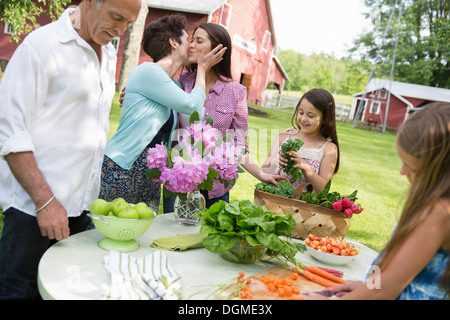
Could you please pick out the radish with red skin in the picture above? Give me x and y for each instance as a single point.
(337, 205)
(354, 208)
(346, 202)
(348, 212)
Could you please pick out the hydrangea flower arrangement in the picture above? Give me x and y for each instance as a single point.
(201, 157)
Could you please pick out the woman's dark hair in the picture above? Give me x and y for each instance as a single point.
(217, 35)
(322, 100)
(155, 40)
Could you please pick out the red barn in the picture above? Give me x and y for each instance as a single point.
(404, 97)
(254, 61)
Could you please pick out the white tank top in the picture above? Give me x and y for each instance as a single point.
(312, 156)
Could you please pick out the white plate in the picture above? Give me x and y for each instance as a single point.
(331, 259)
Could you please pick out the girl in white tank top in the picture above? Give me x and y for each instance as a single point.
(312, 156)
(315, 123)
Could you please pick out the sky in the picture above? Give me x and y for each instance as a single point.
(316, 26)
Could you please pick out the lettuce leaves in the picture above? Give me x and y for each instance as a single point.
(225, 223)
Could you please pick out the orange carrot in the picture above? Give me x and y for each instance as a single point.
(295, 290)
(287, 282)
(324, 274)
(241, 273)
(318, 279)
(296, 298)
(288, 291)
(294, 276)
(246, 292)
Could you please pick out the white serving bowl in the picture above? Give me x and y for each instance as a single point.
(330, 259)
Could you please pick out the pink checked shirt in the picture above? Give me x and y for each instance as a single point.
(226, 103)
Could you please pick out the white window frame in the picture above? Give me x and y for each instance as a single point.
(266, 40)
(375, 105)
(229, 15)
(117, 41)
(382, 94)
(9, 29)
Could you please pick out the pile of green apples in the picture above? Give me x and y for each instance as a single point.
(120, 208)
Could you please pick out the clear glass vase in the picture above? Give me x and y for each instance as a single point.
(185, 210)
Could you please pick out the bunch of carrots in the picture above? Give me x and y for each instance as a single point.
(285, 287)
(319, 275)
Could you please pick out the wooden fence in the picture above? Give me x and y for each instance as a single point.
(275, 101)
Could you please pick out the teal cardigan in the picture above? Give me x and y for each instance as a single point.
(149, 97)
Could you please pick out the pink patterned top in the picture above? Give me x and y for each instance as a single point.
(226, 103)
(312, 156)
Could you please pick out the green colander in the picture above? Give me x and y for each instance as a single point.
(120, 233)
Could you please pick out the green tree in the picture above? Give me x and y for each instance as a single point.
(21, 15)
(291, 62)
(422, 54)
(344, 76)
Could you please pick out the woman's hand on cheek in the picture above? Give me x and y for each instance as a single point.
(207, 61)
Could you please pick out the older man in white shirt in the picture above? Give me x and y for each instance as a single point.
(56, 96)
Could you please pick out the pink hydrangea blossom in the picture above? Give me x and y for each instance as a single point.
(225, 160)
(204, 132)
(184, 176)
(157, 156)
(190, 167)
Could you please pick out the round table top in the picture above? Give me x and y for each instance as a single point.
(73, 269)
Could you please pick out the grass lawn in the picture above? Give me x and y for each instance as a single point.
(369, 164)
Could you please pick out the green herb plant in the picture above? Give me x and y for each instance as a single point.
(325, 198)
(291, 145)
(284, 189)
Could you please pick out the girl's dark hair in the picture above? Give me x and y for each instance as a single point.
(217, 35)
(322, 100)
(155, 40)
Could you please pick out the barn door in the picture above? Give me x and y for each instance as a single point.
(359, 116)
(246, 81)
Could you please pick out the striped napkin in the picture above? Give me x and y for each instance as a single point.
(150, 278)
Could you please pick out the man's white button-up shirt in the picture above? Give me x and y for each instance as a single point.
(55, 99)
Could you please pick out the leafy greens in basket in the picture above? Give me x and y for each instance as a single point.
(225, 223)
(325, 198)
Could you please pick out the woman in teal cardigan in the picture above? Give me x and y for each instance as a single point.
(149, 111)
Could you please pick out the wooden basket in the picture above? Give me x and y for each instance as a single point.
(310, 218)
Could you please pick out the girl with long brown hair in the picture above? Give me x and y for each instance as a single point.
(314, 122)
(415, 263)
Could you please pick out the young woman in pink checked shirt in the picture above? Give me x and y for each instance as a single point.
(226, 102)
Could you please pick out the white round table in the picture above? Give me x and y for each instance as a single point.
(73, 269)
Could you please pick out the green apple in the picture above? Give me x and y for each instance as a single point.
(100, 206)
(145, 212)
(129, 213)
(140, 205)
(117, 200)
(119, 206)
